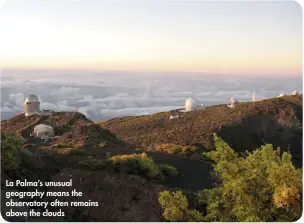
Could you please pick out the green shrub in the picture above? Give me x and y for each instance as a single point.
(177, 149)
(176, 207)
(138, 164)
(194, 216)
(168, 170)
(10, 151)
(223, 151)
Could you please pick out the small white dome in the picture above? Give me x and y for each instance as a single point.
(43, 128)
(191, 104)
(31, 99)
(43, 131)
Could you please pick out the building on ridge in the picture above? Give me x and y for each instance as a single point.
(294, 92)
(31, 105)
(254, 97)
(233, 103)
(192, 104)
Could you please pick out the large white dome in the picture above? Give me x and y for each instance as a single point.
(31, 99)
(191, 104)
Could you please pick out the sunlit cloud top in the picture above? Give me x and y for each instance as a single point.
(214, 37)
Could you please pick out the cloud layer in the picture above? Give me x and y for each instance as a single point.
(106, 95)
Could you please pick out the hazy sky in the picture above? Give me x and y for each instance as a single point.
(250, 38)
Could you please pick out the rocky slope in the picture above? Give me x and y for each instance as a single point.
(120, 197)
(277, 121)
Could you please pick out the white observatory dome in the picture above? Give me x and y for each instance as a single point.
(191, 104)
(31, 99)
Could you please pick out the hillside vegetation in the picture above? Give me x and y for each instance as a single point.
(139, 164)
(17, 162)
(263, 186)
(189, 151)
(251, 124)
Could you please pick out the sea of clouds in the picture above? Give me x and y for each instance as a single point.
(106, 95)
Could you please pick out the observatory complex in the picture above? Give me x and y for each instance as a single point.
(32, 107)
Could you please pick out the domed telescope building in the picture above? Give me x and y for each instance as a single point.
(31, 105)
(192, 104)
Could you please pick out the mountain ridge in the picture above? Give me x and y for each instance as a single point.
(247, 126)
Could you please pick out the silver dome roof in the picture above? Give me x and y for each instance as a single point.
(31, 98)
